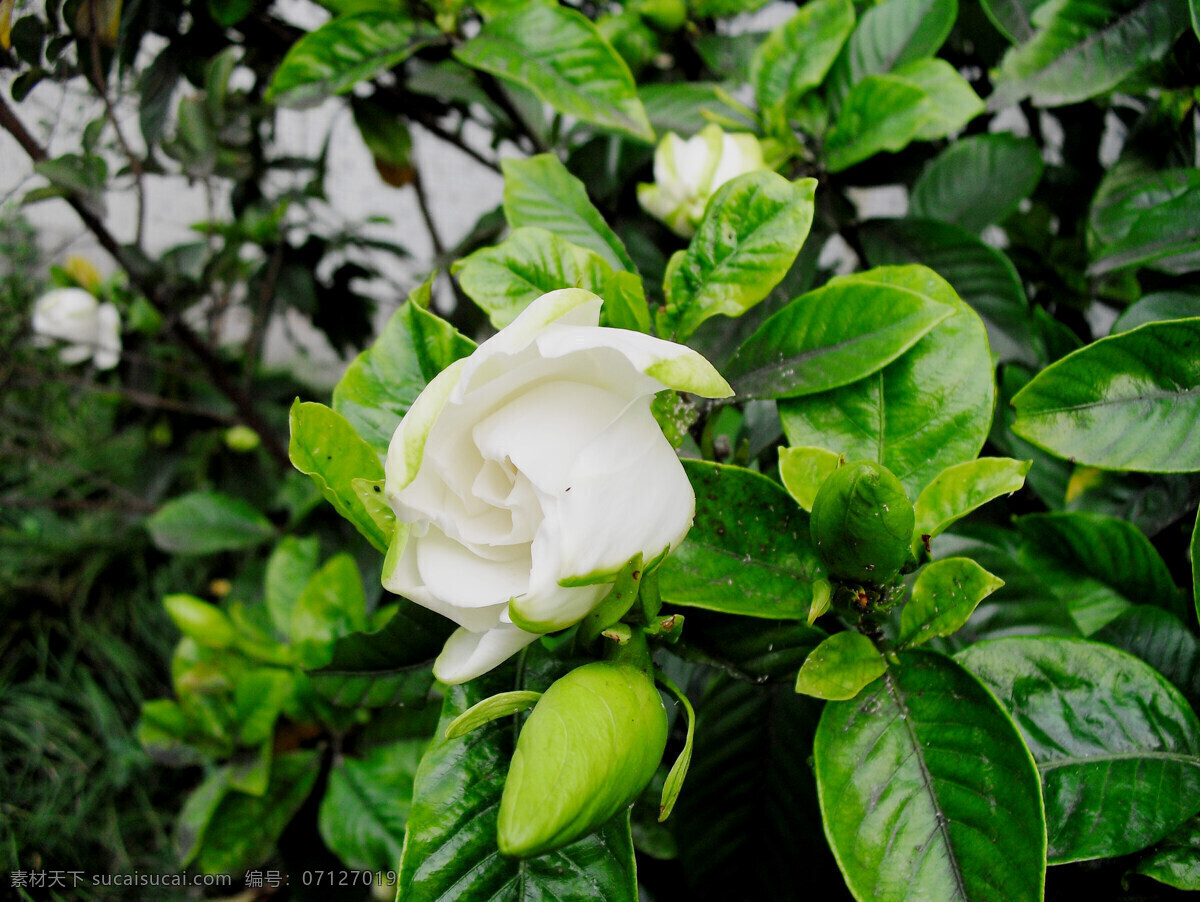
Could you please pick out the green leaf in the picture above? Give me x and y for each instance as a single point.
(681, 106)
(332, 605)
(493, 707)
(1126, 402)
(1161, 640)
(673, 784)
(927, 791)
(383, 381)
(840, 667)
(1100, 560)
(1161, 305)
(366, 802)
(893, 33)
(960, 489)
(1145, 218)
(952, 101)
(206, 522)
(977, 180)
(290, 567)
(944, 596)
(803, 470)
(388, 666)
(559, 55)
(1085, 47)
(507, 278)
(881, 112)
(795, 56)
(250, 825)
(1176, 860)
(341, 53)
(748, 551)
(1194, 560)
(450, 850)
(1012, 18)
(753, 228)
(983, 277)
(891, 417)
(229, 12)
(748, 648)
(325, 446)
(539, 191)
(1117, 746)
(197, 814)
(747, 822)
(831, 337)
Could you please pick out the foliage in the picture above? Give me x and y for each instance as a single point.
(946, 529)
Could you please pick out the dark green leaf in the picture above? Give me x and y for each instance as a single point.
(558, 54)
(156, 85)
(893, 33)
(753, 228)
(1161, 305)
(539, 191)
(749, 648)
(977, 180)
(679, 106)
(891, 417)
(205, 522)
(831, 337)
(1117, 746)
(450, 852)
(1176, 860)
(349, 49)
(1126, 402)
(1146, 218)
(1194, 560)
(383, 381)
(748, 551)
(366, 802)
(1162, 641)
(927, 791)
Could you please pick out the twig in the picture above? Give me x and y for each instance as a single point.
(495, 91)
(207, 357)
(429, 122)
(439, 249)
(262, 315)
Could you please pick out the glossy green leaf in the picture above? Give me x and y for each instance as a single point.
(684, 107)
(748, 551)
(1145, 218)
(539, 191)
(1151, 502)
(1126, 402)
(749, 648)
(960, 489)
(952, 101)
(1092, 560)
(753, 228)
(291, 565)
(983, 277)
(1117, 746)
(796, 55)
(831, 337)
(893, 33)
(325, 446)
(1012, 18)
(332, 59)
(1176, 860)
(1085, 47)
(558, 54)
(383, 381)
(944, 596)
(507, 278)
(840, 667)
(881, 112)
(503, 704)
(206, 522)
(977, 180)
(927, 791)
(928, 410)
(388, 666)
(747, 821)
(366, 802)
(450, 851)
(803, 470)
(1160, 305)
(248, 826)
(1161, 640)
(332, 605)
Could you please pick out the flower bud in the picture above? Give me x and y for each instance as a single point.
(862, 523)
(92, 329)
(687, 173)
(589, 748)
(203, 622)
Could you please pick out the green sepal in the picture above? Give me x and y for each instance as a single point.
(490, 709)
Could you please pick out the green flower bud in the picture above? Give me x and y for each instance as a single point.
(862, 523)
(205, 623)
(590, 746)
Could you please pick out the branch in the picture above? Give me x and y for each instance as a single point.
(207, 357)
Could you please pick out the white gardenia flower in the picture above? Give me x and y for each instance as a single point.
(92, 329)
(687, 173)
(527, 475)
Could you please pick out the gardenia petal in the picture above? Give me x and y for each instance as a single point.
(68, 314)
(467, 655)
(108, 337)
